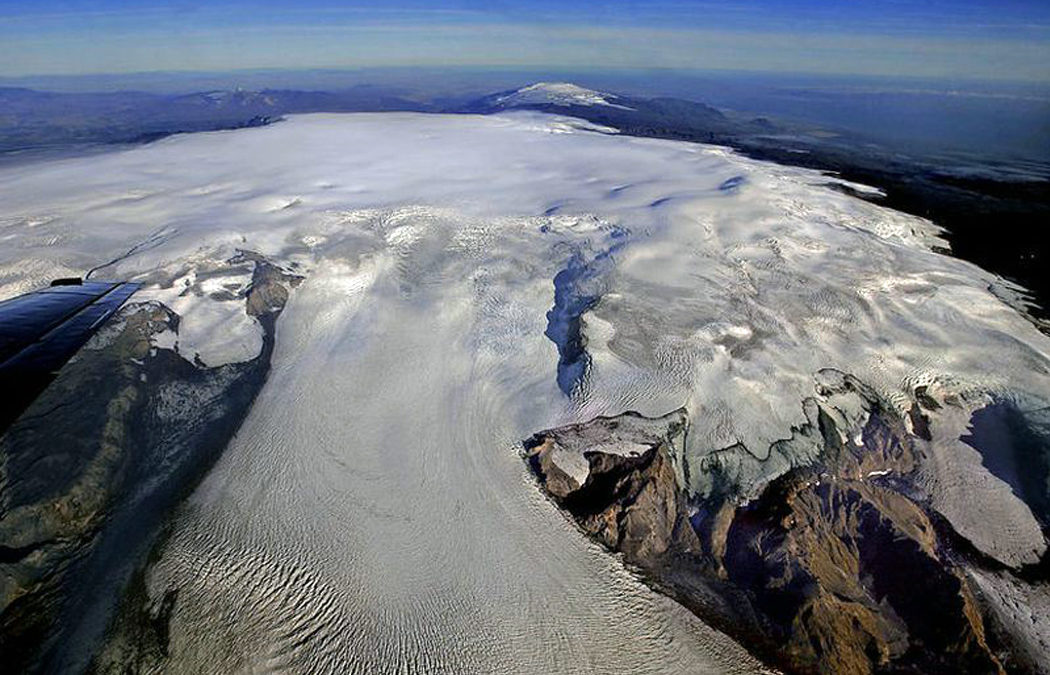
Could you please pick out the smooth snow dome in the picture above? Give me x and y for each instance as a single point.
(373, 511)
(556, 93)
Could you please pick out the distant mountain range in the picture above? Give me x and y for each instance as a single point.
(32, 119)
(995, 212)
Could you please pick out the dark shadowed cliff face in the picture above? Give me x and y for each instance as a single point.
(831, 569)
(88, 473)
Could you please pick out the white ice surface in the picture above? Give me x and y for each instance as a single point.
(557, 93)
(377, 479)
(215, 331)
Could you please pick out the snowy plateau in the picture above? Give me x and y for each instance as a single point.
(467, 281)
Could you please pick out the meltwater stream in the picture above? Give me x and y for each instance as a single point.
(374, 514)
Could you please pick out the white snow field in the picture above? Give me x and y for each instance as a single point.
(373, 513)
(557, 93)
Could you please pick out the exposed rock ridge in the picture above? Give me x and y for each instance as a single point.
(89, 471)
(832, 568)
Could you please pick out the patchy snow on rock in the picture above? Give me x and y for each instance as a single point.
(214, 328)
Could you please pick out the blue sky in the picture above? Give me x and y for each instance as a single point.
(997, 40)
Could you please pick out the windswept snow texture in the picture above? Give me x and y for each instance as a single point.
(373, 513)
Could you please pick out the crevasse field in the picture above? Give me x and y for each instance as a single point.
(374, 509)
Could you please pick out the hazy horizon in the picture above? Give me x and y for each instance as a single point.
(1005, 41)
(995, 119)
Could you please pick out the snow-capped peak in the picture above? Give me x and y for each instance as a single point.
(556, 93)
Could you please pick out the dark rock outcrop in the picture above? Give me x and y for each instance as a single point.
(89, 472)
(831, 569)
(630, 502)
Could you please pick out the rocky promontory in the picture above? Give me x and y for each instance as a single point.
(838, 566)
(91, 469)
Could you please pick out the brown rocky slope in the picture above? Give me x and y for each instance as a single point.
(833, 568)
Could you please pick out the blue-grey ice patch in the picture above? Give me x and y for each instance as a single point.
(731, 184)
(577, 288)
(1015, 447)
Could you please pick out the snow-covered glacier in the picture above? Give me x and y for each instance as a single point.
(467, 281)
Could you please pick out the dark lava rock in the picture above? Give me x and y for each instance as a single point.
(90, 471)
(630, 502)
(825, 571)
